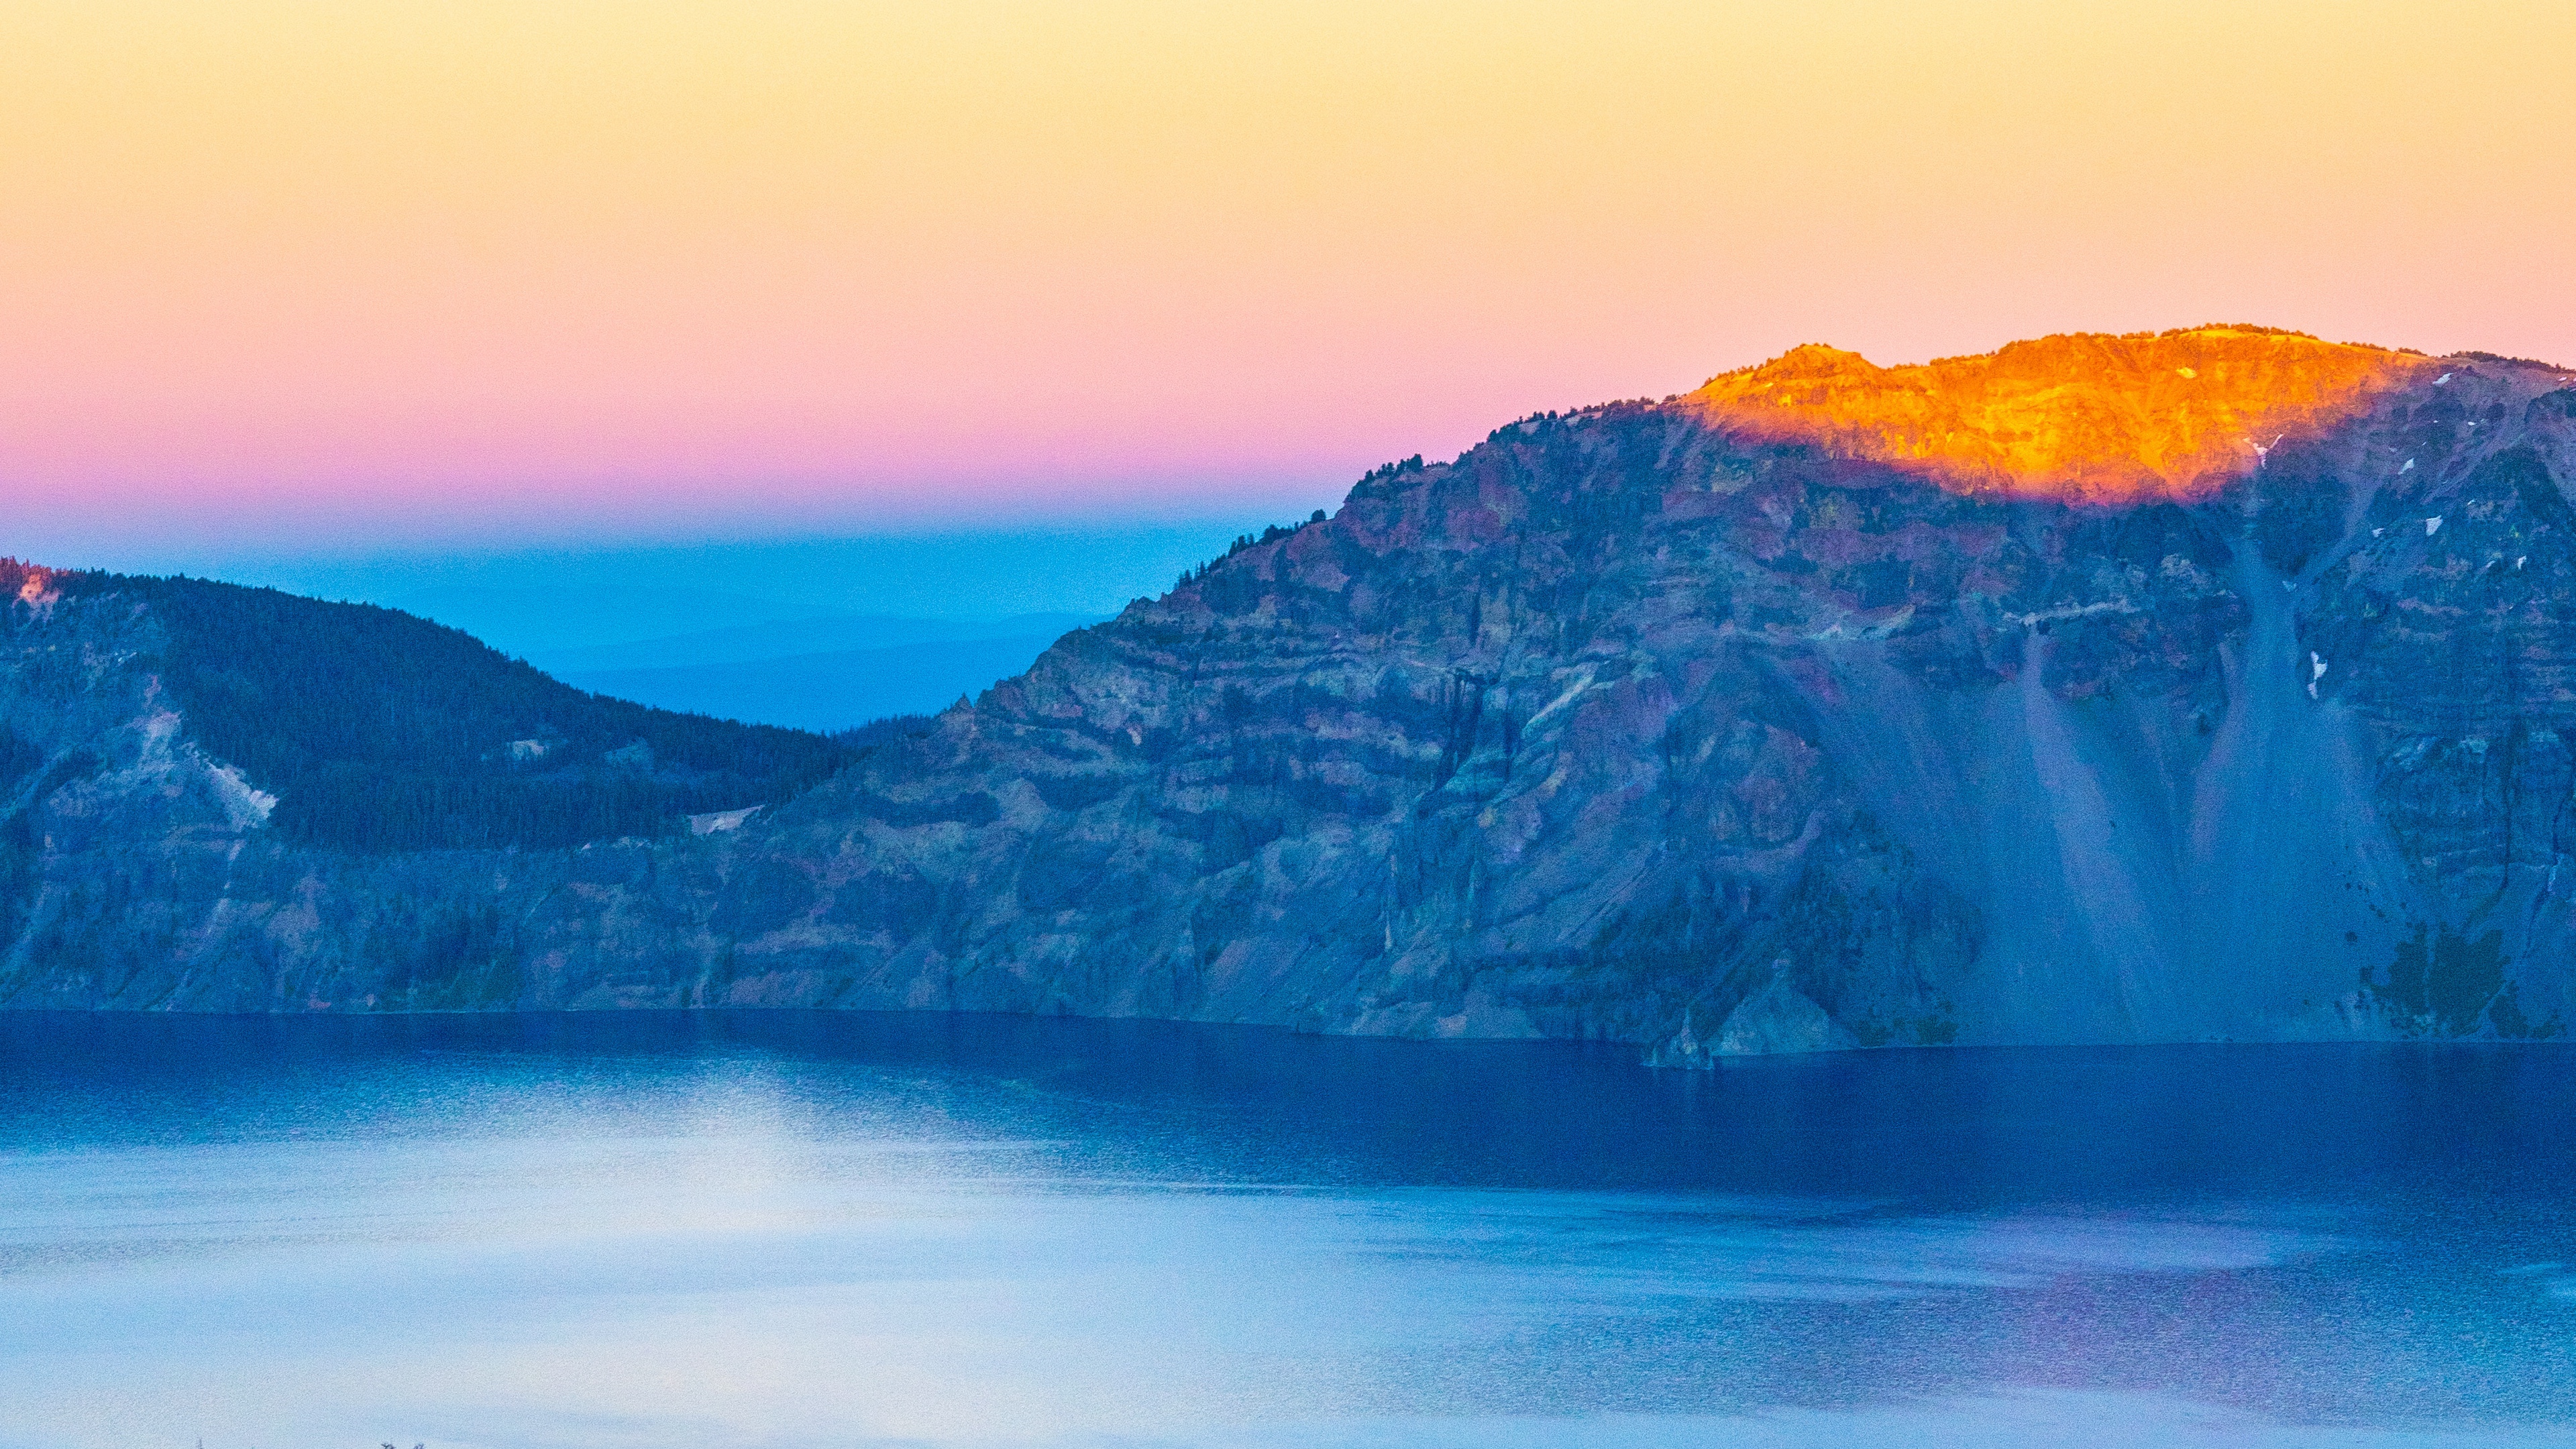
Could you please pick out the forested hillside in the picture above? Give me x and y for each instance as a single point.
(377, 731)
(1993, 701)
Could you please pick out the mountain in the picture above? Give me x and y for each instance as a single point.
(2215, 684)
(826, 691)
(339, 727)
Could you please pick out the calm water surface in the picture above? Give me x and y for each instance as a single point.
(810, 1229)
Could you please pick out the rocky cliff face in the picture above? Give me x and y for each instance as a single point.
(2107, 420)
(2214, 685)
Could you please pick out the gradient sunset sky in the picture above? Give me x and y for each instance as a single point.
(291, 275)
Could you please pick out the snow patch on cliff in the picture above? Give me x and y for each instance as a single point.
(164, 763)
(716, 821)
(2037, 617)
(245, 805)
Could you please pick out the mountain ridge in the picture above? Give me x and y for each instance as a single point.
(1636, 723)
(2173, 414)
(355, 727)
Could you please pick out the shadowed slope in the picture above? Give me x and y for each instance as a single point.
(357, 728)
(1627, 723)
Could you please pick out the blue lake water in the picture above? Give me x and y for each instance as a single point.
(814, 1229)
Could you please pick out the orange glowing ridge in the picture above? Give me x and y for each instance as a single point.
(31, 584)
(2084, 417)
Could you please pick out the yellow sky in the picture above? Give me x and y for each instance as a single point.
(479, 259)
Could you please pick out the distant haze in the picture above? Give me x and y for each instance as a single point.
(827, 673)
(541, 601)
(835, 689)
(478, 276)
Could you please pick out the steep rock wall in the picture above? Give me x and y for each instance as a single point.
(1628, 723)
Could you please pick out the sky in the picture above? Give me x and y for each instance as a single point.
(296, 284)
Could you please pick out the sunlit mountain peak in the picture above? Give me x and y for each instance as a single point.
(2087, 417)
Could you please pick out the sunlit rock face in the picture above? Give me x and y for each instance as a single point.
(2091, 418)
(2016, 699)
(31, 585)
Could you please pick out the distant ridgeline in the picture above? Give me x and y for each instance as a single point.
(376, 731)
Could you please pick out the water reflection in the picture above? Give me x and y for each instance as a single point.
(793, 1229)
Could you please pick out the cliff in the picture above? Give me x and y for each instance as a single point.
(2211, 685)
(2176, 415)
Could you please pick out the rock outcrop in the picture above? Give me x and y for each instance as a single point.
(2112, 420)
(2212, 685)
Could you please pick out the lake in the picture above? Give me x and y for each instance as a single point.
(798, 1229)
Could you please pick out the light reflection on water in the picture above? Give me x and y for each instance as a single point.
(799, 1229)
